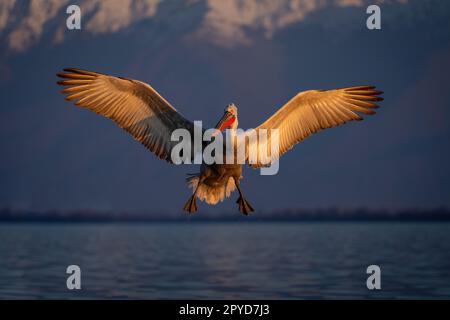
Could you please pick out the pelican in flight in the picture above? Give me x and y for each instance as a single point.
(141, 111)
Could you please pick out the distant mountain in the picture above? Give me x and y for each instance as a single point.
(224, 23)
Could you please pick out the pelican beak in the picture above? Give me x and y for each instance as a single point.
(227, 120)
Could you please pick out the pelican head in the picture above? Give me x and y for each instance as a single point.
(231, 108)
(229, 118)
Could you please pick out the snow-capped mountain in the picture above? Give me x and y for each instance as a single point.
(222, 22)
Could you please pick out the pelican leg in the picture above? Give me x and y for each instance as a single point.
(244, 206)
(191, 204)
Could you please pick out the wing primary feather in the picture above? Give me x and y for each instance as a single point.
(133, 105)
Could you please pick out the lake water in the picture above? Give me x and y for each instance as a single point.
(225, 260)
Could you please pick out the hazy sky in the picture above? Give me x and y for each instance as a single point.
(202, 55)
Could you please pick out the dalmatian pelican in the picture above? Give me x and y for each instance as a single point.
(141, 111)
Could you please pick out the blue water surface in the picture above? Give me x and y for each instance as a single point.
(185, 260)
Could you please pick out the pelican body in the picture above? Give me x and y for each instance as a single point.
(217, 181)
(141, 111)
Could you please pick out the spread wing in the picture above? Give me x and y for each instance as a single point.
(132, 105)
(311, 111)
